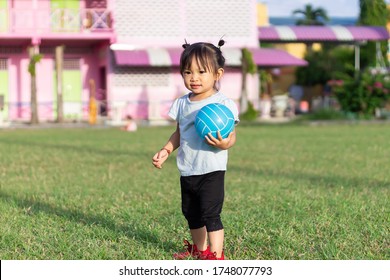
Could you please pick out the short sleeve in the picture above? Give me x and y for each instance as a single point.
(174, 110)
(233, 107)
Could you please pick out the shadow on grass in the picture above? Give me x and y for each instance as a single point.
(323, 180)
(131, 230)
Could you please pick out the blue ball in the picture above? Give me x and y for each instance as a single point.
(214, 117)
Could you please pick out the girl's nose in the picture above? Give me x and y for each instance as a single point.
(194, 77)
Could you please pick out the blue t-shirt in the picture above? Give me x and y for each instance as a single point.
(195, 156)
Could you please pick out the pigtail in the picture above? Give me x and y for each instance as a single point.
(221, 42)
(185, 45)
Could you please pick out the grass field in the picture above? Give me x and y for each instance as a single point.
(292, 192)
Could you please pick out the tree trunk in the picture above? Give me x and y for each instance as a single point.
(59, 68)
(244, 92)
(33, 51)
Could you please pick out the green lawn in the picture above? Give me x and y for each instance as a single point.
(292, 192)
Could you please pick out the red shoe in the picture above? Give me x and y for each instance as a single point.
(213, 256)
(191, 251)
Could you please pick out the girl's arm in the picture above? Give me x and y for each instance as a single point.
(173, 143)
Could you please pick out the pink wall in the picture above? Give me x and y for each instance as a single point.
(20, 84)
(24, 4)
(137, 101)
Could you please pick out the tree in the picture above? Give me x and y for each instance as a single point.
(374, 13)
(247, 67)
(59, 68)
(328, 63)
(311, 16)
(35, 57)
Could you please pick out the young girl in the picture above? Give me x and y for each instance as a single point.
(201, 162)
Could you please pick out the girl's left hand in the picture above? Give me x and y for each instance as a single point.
(219, 142)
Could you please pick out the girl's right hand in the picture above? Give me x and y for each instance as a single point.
(159, 158)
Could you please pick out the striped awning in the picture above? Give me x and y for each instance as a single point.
(158, 57)
(162, 57)
(322, 33)
(268, 57)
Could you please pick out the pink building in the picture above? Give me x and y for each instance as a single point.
(130, 48)
(85, 28)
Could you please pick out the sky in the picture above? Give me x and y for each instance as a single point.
(334, 8)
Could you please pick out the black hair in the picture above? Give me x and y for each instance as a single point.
(207, 55)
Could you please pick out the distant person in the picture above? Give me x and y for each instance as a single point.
(201, 162)
(295, 92)
(131, 125)
(291, 108)
(326, 93)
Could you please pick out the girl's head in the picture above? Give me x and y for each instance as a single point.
(205, 58)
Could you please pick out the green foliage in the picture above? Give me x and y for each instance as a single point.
(372, 13)
(91, 194)
(315, 72)
(33, 61)
(247, 56)
(311, 16)
(265, 81)
(324, 114)
(340, 59)
(364, 93)
(250, 114)
(328, 63)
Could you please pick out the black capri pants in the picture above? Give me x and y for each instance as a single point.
(202, 200)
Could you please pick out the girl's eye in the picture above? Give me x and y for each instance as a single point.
(187, 72)
(202, 71)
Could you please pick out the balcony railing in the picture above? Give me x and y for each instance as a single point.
(54, 21)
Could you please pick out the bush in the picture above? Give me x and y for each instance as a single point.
(325, 114)
(250, 114)
(324, 64)
(364, 93)
(316, 72)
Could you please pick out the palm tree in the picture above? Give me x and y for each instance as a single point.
(311, 16)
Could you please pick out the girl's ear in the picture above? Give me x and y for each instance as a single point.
(220, 72)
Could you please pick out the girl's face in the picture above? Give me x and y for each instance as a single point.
(200, 81)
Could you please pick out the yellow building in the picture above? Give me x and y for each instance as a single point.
(262, 14)
(283, 77)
